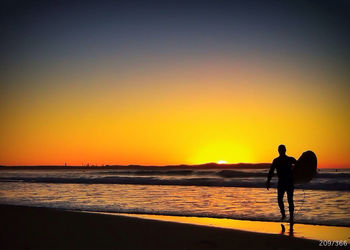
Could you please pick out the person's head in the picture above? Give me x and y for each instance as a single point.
(282, 149)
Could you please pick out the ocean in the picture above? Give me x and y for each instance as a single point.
(233, 194)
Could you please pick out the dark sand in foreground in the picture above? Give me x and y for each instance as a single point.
(43, 228)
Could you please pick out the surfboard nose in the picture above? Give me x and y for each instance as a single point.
(305, 168)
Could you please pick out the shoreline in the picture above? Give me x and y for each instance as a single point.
(33, 228)
(306, 231)
(146, 214)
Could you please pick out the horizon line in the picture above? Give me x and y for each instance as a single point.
(169, 165)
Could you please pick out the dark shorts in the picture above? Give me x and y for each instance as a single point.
(285, 185)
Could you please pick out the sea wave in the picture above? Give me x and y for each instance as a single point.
(341, 184)
(221, 173)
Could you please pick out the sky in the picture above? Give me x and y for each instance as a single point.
(173, 82)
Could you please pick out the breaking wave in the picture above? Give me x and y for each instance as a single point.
(229, 179)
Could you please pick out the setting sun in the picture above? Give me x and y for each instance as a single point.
(222, 162)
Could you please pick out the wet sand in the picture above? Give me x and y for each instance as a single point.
(307, 231)
(44, 228)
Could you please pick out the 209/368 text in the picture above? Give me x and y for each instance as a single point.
(334, 243)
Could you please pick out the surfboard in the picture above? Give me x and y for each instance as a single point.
(305, 168)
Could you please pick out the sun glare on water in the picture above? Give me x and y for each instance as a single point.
(222, 162)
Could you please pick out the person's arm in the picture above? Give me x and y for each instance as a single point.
(270, 174)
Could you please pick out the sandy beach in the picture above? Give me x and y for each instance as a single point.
(44, 228)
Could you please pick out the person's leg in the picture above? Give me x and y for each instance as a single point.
(290, 192)
(280, 194)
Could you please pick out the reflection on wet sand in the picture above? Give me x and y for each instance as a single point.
(316, 232)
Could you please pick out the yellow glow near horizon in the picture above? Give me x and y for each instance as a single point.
(196, 113)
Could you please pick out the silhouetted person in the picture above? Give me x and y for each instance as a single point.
(284, 165)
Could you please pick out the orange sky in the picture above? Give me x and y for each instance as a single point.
(174, 83)
(210, 109)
